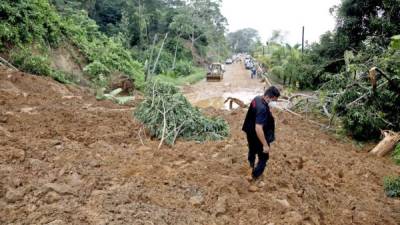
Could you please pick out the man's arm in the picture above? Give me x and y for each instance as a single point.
(261, 137)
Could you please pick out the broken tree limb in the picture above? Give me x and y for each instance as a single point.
(164, 112)
(302, 95)
(311, 121)
(326, 111)
(387, 144)
(363, 96)
(6, 63)
(235, 100)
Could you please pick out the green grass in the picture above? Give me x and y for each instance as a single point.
(197, 75)
(396, 155)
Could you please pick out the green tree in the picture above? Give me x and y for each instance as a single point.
(243, 40)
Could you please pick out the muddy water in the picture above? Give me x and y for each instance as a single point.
(236, 83)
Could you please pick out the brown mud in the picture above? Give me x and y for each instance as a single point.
(75, 160)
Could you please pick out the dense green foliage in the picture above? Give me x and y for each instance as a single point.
(29, 21)
(115, 37)
(392, 186)
(166, 112)
(37, 23)
(366, 36)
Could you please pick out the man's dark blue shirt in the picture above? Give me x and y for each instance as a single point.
(259, 113)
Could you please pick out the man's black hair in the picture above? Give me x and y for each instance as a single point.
(272, 92)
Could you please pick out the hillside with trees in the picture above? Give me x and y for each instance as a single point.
(101, 39)
(339, 67)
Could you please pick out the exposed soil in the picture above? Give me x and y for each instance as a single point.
(68, 59)
(66, 158)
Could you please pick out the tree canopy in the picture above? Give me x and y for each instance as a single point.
(243, 40)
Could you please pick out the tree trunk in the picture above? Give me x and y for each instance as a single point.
(151, 58)
(159, 53)
(387, 144)
(176, 50)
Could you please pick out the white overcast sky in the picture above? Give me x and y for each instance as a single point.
(286, 15)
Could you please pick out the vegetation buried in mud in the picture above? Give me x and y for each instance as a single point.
(168, 115)
(396, 154)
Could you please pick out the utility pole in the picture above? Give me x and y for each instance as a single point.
(302, 41)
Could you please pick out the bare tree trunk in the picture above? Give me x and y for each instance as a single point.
(151, 58)
(176, 50)
(159, 53)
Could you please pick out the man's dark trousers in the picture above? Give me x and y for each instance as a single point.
(256, 148)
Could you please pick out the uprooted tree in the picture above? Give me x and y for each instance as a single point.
(167, 115)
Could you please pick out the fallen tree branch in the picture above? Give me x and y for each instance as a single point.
(387, 144)
(311, 121)
(3, 61)
(302, 95)
(164, 125)
(326, 111)
(363, 96)
(235, 100)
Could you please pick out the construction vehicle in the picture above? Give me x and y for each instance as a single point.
(215, 72)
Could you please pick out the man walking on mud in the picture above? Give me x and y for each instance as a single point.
(259, 126)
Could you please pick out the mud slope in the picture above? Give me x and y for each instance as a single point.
(79, 161)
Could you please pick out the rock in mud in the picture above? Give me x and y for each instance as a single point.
(52, 197)
(220, 206)
(283, 202)
(196, 200)
(253, 188)
(260, 184)
(59, 188)
(3, 118)
(14, 195)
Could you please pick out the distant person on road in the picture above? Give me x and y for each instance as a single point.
(253, 72)
(259, 126)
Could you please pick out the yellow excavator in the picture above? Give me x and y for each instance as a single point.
(215, 72)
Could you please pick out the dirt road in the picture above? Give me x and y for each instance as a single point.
(69, 159)
(236, 83)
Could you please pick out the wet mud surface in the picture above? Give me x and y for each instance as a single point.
(69, 159)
